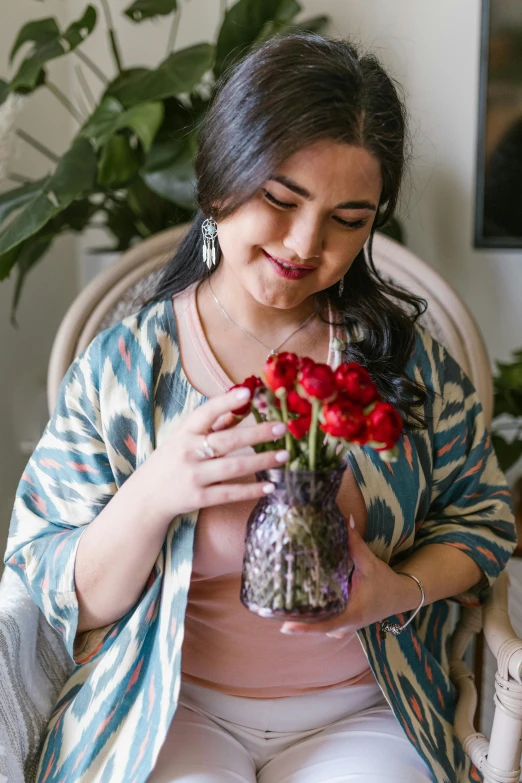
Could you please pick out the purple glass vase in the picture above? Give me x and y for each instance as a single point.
(296, 564)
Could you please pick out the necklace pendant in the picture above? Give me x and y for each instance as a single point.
(273, 352)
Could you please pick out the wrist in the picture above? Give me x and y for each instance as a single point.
(408, 593)
(143, 488)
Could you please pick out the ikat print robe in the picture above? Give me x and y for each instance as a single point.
(118, 401)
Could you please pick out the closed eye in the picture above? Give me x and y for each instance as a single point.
(283, 205)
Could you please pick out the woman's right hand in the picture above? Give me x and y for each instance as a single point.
(180, 480)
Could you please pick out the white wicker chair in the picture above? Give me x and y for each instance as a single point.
(112, 296)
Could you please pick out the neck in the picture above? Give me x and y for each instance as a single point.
(268, 323)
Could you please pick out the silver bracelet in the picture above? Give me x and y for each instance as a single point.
(395, 628)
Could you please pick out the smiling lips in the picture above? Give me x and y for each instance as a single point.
(287, 270)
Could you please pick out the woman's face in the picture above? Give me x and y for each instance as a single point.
(328, 194)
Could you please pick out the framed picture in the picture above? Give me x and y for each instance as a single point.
(498, 218)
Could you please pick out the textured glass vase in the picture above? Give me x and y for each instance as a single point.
(296, 563)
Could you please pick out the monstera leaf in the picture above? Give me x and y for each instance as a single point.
(144, 120)
(179, 73)
(169, 171)
(146, 9)
(48, 43)
(75, 176)
(249, 21)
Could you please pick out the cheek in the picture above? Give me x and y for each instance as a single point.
(249, 228)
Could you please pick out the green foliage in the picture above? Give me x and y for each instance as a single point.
(508, 405)
(146, 9)
(48, 43)
(131, 164)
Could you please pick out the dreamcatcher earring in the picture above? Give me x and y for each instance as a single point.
(209, 231)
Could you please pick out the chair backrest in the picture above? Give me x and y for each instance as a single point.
(113, 294)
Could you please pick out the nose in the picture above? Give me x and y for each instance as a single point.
(305, 237)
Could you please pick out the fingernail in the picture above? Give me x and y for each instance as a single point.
(268, 488)
(243, 394)
(352, 521)
(279, 428)
(283, 456)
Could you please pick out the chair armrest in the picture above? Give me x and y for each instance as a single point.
(500, 636)
(498, 759)
(34, 666)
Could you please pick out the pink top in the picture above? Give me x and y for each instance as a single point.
(226, 647)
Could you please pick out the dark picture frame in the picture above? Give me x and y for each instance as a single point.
(498, 191)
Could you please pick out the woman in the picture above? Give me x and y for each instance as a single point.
(300, 160)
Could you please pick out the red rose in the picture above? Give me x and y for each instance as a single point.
(356, 382)
(298, 404)
(280, 371)
(300, 426)
(304, 361)
(343, 419)
(384, 425)
(252, 383)
(317, 381)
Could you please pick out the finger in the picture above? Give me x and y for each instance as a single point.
(329, 628)
(202, 419)
(218, 494)
(227, 468)
(224, 422)
(359, 550)
(228, 440)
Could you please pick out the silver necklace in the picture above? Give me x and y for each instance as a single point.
(273, 351)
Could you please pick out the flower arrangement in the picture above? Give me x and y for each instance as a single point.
(327, 412)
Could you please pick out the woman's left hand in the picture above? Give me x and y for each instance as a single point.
(376, 592)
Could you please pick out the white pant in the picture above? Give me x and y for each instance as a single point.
(341, 735)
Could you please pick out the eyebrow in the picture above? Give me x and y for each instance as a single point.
(291, 185)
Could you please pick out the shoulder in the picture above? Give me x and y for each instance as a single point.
(436, 366)
(130, 353)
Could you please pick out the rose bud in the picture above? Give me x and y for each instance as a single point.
(263, 399)
(356, 382)
(298, 404)
(343, 419)
(384, 426)
(280, 371)
(317, 381)
(252, 383)
(300, 426)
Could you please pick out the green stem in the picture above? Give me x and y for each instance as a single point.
(331, 447)
(112, 36)
(289, 441)
(37, 145)
(64, 101)
(18, 178)
(92, 65)
(85, 87)
(312, 435)
(173, 31)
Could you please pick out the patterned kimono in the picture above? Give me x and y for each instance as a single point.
(118, 401)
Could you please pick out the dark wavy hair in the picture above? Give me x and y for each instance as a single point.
(285, 94)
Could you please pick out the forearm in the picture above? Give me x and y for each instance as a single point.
(444, 571)
(116, 555)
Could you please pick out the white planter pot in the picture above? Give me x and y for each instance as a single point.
(91, 264)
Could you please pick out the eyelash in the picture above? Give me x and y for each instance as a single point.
(349, 224)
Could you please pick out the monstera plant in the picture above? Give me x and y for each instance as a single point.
(507, 427)
(130, 165)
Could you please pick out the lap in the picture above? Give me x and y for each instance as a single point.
(197, 750)
(369, 747)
